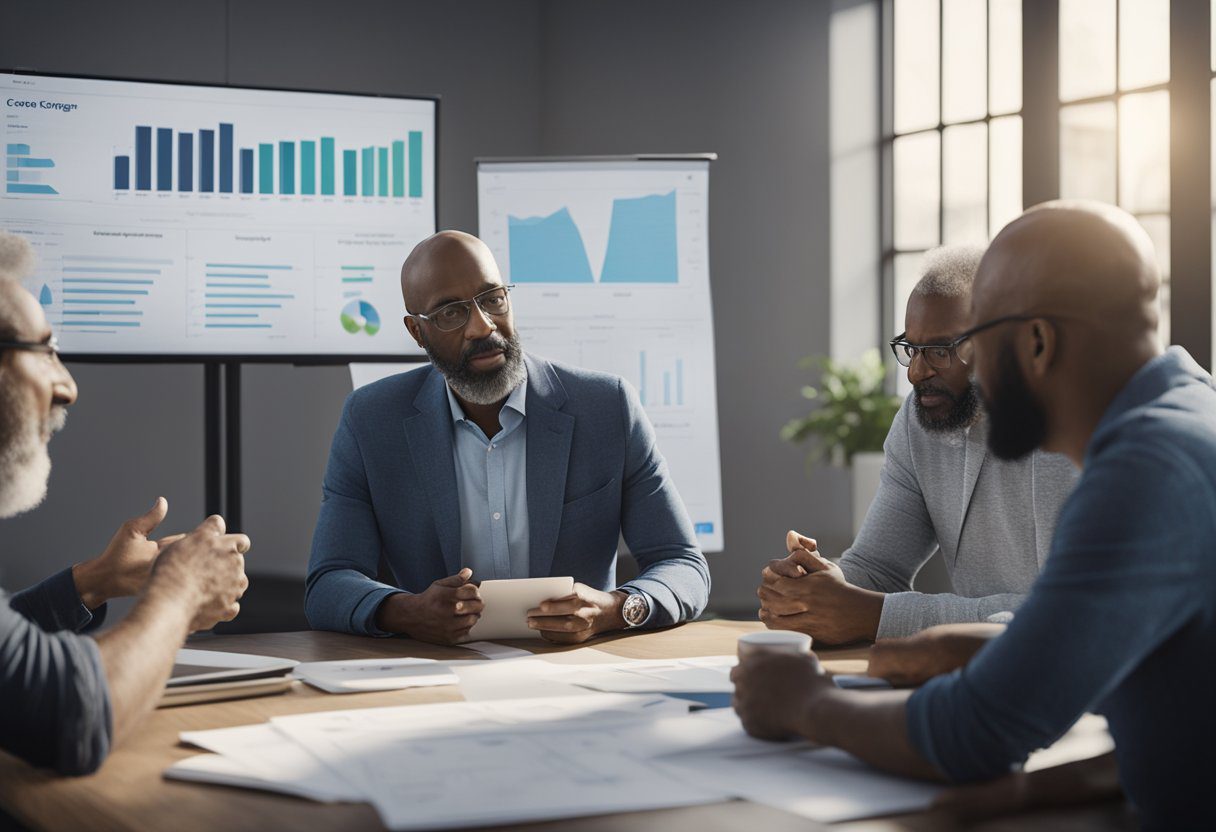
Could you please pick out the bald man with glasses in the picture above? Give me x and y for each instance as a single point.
(490, 463)
(940, 489)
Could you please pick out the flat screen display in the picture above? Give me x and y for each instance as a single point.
(174, 220)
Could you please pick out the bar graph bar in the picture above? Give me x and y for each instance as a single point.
(24, 174)
(369, 171)
(398, 169)
(226, 158)
(206, 161)
(327, 166)
(122, 173)
(185, 161)
(18, 149)
(382, 170)
(308, 168)
(287, 167)
(107, 292)
(143, 158)
(265, 168)
(415, 163)
(348, 172)
(164, 159)
(246, 170)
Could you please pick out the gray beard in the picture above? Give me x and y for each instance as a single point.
(489, 387)
(25, 463)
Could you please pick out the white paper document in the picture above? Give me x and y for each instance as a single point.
(482, 681)
(496, 651)
(258, 756)
(507, 603)
(361, 675)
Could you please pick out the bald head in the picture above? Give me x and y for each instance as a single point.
(1083, 260)
(442, 262)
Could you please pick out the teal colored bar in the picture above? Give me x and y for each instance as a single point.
(356, 280)
(398, 168)
(348, 172)
(327, 166)
(415, 163)
(308, 167)
(357, 268)
(265, 168)
(19, 149)
(369, 171)
(287, 167)
(22, 188)
(29, 162)
(383, 171)
(92, 302)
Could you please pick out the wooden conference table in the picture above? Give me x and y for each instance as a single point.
(129, 793)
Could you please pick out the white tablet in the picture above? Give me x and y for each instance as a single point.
(507, 604)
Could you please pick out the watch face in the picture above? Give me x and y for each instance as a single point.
(635, 610)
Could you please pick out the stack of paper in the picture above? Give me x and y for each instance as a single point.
(361, 675)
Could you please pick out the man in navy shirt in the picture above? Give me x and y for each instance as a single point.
(1122, 620)
(67, 698)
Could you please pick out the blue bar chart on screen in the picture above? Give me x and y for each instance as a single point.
(184, 220)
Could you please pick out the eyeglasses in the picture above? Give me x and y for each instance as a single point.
(965, 347)
(50, 346)
(937, 356)
(495, 302)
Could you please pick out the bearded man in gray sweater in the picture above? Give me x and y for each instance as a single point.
(992, 519)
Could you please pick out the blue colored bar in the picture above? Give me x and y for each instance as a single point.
(105, 280)
(348, 172)
(243, 305)
(222, 295)
(237, 326)
(101, 312)
(93, 302)
(20, 188)
(105, 270)
(19, 150)
(122, 173)
(226, 161)
(327, 166)
(243, 266)
(415, 163)
(102, 323)
(369, 171)
(106, 291)
(239, 286)
(250, 276)
(143, 158)
(164, 159)
(232, 314)
(246, 170)
(206, 161)
(308, 168)
(88, 258)
(13, 175)
(29, 162)
(185, 161)
(287, 167)
(265, 168)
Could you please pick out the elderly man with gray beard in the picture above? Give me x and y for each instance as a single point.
(941, 489)
(68, 698)
(492, 464)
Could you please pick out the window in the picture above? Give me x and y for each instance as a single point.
(1115, 114)
(955, 141)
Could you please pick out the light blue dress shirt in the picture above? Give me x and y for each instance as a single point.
(493, 488)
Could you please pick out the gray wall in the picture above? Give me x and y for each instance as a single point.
(747, 80)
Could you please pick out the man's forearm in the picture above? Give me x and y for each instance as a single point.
(870, 725)
(138, 655)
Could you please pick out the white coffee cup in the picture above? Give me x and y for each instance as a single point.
(774, 641)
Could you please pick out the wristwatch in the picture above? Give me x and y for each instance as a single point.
(635, 610)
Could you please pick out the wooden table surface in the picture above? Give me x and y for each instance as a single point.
(129, 792)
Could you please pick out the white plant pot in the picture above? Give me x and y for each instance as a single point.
(867, 469)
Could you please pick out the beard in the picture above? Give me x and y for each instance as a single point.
(25, 463)
(1017, 423)
(964, 408)
(483, 387)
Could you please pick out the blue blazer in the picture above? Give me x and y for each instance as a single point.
(594, 474)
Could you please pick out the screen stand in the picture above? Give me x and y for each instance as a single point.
(222, 443)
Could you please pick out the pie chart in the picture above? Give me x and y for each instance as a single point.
(360, 316)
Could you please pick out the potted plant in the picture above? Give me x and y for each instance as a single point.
(850, 423)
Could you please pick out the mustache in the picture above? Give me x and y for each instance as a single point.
(927, 389)
(491, 343)
(58, 418)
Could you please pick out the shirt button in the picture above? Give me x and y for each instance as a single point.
(497, 516)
